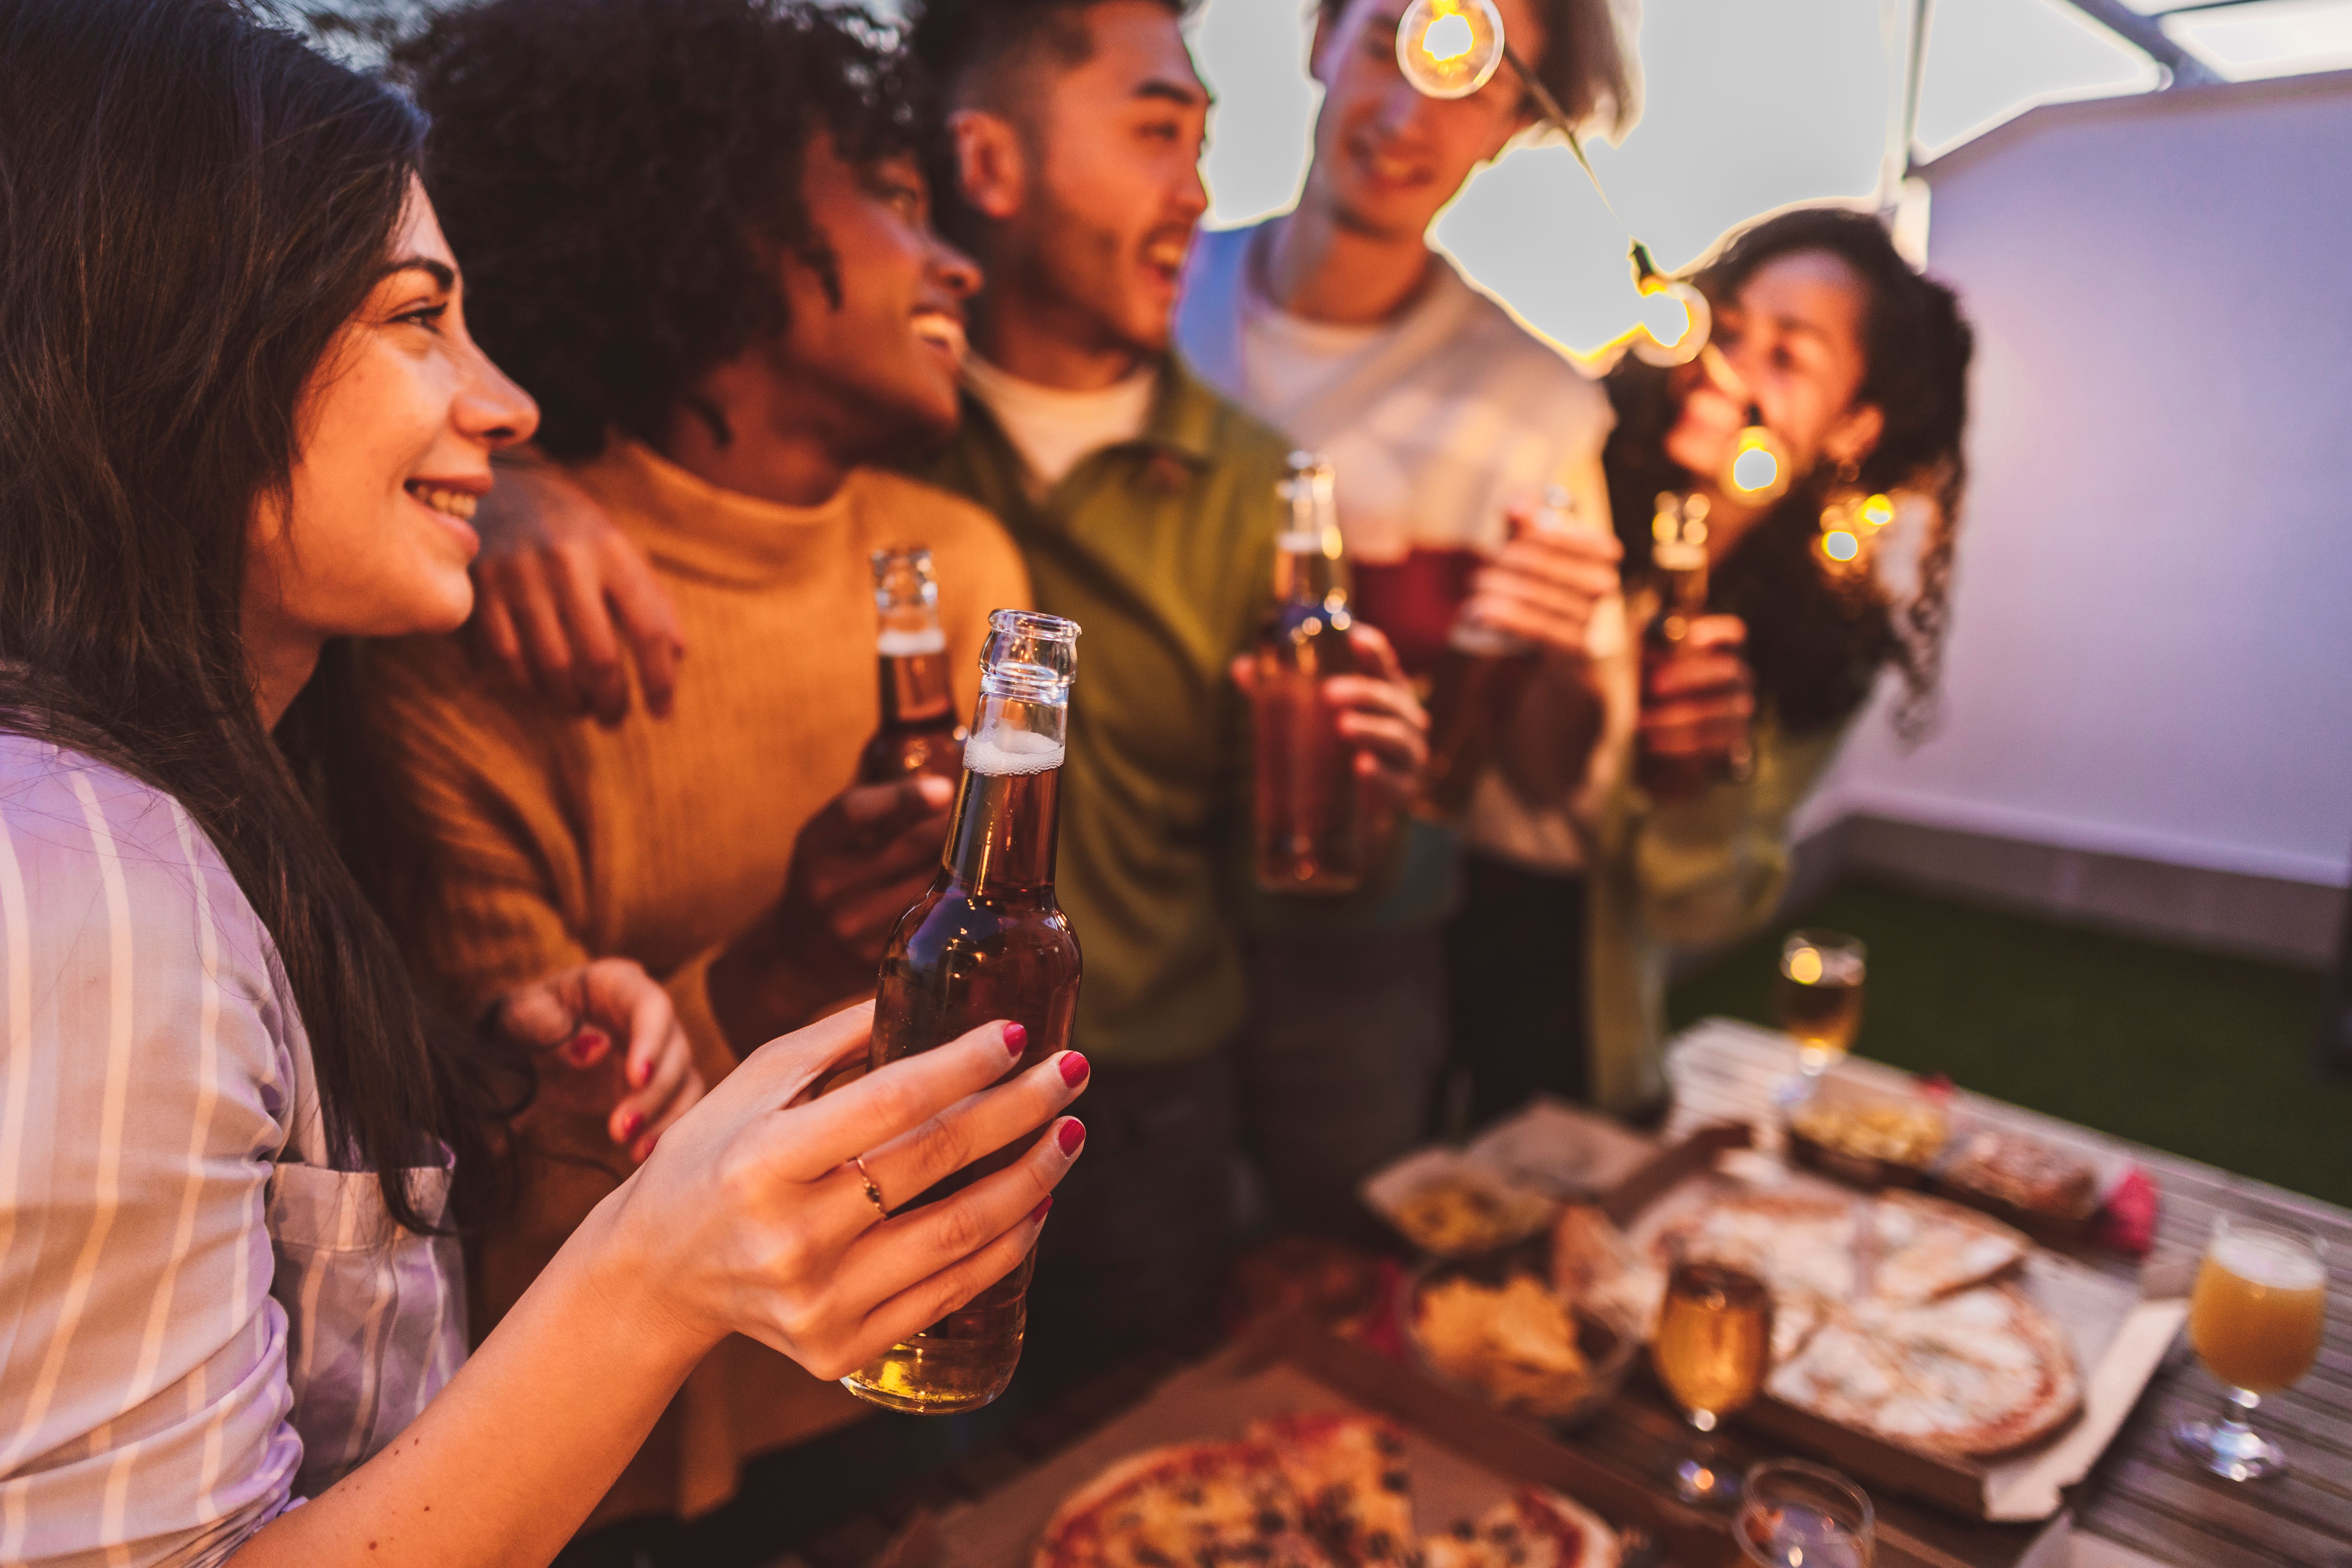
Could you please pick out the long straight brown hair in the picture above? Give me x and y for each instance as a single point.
(191, 204)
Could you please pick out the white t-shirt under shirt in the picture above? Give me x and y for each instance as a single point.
(1054, 430)
(1435, 423)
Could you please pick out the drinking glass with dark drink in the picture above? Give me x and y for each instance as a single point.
(1475, 688)
(1821, 996)
(986, 941)
(920, 732)
(1796, 1515)
(1310, 827)
(1711, 1350)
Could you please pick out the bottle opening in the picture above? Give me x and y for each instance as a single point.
(1030, 655)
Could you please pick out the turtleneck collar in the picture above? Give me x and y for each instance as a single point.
(693, 526)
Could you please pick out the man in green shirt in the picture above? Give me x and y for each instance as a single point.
(1145, 505)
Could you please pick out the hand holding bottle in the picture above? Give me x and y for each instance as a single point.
(1698, 698)
(855, 868)
(1544, 586)
(751, 1218)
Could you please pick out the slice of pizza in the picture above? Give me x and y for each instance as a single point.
(1926, 1249)
(1536, 1529)
(1190, 1504)
(1348, 1471)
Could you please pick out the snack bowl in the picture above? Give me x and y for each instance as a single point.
(1866, 1138)
(1506, 1285)
(1451, 1207)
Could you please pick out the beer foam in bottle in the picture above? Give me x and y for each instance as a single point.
(895, 643)
(1001, 751)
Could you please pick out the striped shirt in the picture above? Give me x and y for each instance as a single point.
(200, 1321)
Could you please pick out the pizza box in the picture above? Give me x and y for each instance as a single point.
(1463, 1455)
(2119, 1338)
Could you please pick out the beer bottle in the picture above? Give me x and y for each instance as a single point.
(1309, 827)
(918, 733)
(987, 941)
(1679, 571)
(1477, 686)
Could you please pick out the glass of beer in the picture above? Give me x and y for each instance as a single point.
(1795, 1515)
(2255, 1320)
(1821, 996)
(1713, 1343)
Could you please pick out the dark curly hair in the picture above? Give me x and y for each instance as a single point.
(620, 177)
(1817, 646)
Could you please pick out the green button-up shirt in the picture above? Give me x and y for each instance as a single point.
(1161, 548)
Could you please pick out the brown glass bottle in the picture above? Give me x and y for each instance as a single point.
(920, 732)
(1309, 815)
(1678, 580)
(1474, 691)
(986, 941)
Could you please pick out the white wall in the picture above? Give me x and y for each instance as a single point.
(2152, 642)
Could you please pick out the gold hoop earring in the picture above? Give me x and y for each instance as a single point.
(1851, 522)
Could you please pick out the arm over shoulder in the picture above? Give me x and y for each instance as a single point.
(154, 1070)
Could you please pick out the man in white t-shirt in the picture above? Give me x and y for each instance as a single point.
(1443, 418)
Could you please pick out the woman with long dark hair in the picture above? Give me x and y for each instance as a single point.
(1857, 365)
(241, 421)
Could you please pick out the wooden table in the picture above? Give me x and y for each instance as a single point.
(2144, 1493)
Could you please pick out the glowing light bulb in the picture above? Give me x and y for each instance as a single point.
(1759, 471)
(1840, 545)
(1450, 48)
(1878, 511)
(1675, 324)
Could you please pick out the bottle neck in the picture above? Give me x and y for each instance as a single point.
(1001, 842)
(1304, 574)
(1009, 810)
(915, 689)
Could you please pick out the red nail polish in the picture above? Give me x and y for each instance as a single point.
(630, 1123)
(641, 1074)
(1073, 1068)
(1072, 1133)
(1039, 1212)
(1016, 1039)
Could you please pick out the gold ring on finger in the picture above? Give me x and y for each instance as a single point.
(873, 1193)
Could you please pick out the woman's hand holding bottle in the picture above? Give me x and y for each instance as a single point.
(1697, 703)
(753, 1215)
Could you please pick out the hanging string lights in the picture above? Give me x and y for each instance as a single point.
(1451, 48)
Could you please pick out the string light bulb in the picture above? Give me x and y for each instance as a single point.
(1676, 320)
(1450, 48)
(1758, 472)
(1850, 526)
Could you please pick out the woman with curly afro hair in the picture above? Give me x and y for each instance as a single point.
(699, 233)
(1858, 366)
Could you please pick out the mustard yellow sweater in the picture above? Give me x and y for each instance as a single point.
(549, 841)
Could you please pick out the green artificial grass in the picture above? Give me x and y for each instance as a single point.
(2192, 1052)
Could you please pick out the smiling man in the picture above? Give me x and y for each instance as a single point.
(698, 231)
(1145, 506)
(1442, 415)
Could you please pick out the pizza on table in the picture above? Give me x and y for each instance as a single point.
(1321, 1490)
(1899, 1317)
